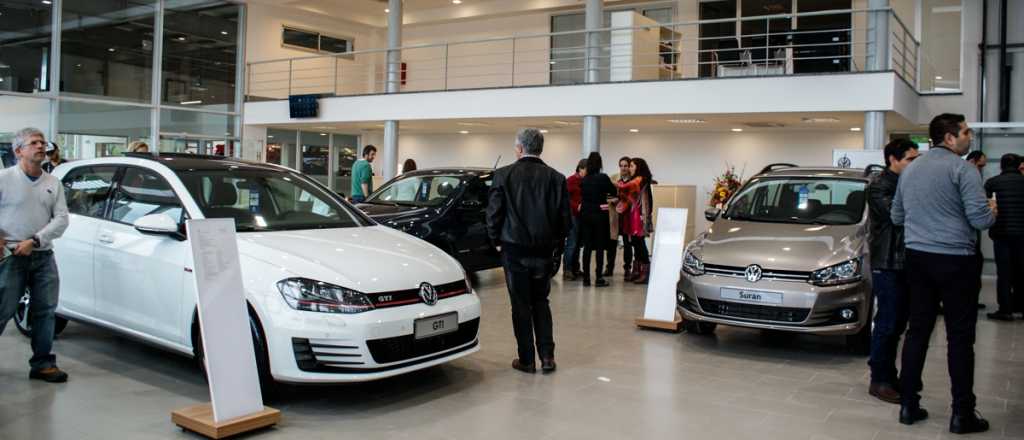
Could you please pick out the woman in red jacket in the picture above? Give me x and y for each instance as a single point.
(636, 201)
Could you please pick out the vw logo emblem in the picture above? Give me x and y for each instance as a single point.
(753, 273)
(428, 294)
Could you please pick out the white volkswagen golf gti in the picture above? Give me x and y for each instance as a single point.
(333, 297)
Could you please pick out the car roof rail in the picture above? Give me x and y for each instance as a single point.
(872, 169)
(773, 166)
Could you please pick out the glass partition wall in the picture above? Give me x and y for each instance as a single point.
(166, 72)
(326, 157)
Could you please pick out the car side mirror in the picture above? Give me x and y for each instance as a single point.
(712, 214)
(159, 224)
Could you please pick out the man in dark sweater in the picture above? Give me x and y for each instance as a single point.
(941, 203)
(1008, 236)
(889, 281)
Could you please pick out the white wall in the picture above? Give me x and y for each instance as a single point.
(679, 158)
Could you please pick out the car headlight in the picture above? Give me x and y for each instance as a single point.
(316, 296)
(692, 265)
(842, 273)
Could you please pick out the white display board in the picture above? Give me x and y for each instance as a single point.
(857, 158)
(227, 343)
(666, 261)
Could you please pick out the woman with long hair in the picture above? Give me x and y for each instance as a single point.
(636, 204)
(597, 191)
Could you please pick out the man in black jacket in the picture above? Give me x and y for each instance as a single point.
(889, 282)
(1008, 236)
(528, 216)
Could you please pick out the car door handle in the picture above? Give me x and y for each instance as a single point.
(105, 238)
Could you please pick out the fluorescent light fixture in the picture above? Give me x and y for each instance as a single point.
(737, 130)
(47, 2)
(180, 38)
(687, 121)
(457, 2)
(463, 131)
(270, 136)
(938, 78)
(323, 134)
(223, 32)
(854, 128)
(191, 102)
(634, 130)
(819, 120)
(543, 131)
(111, 50)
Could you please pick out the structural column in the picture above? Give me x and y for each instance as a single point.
(594, 18)
(877, 60)
(389, 157)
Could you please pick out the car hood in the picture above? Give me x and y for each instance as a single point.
(779, 246)
(368, 259)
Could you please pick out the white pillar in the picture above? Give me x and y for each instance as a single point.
(874, 130)
(389, 156)
(594, 18)
(878, 36)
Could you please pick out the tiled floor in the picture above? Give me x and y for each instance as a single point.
(614, 381)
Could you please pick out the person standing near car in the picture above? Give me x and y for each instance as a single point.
(528, 215)
(53, 159)
(598, 193)
(33, 214)
(571, 256)
(889, 281)
(1008, 236)
(940, 203)
(362, 175)
(628, 270)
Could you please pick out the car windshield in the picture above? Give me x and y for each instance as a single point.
(810, 200)
(267, 200)
(425, 190)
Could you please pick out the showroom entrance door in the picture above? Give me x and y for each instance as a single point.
(183, 143)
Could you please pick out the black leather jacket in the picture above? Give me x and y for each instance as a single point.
(1009, 190)
(528, 209)
(886, 240)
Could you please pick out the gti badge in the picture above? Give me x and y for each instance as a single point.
(753, 273)
(428, 294)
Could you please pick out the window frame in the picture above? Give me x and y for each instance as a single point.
(109, 211)
(118, 171)
(319, 44)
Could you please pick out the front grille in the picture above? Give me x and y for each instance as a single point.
(383, 300)
(317, 355)
(753, 312)
(766, 274)
(400, 348)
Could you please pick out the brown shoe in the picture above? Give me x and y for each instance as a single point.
(525, 368)
(884, 392)
(548, 365)
(52, 375)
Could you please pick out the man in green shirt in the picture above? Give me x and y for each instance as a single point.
(362, 175)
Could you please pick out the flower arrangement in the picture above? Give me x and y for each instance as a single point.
(725, 186)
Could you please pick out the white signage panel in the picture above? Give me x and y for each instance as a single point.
(666, 262)
(227, 342)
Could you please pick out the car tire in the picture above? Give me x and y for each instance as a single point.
(860, 342)
(700, 328)
(268, 386)
(21, 319)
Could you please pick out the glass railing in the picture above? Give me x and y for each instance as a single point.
(785, 44)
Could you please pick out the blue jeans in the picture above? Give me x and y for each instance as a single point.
(37, 273)
(571, 258)
(892, 293)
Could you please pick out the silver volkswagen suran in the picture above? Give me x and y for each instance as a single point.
(788, 254)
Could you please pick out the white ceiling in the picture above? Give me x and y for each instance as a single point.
(835, 121)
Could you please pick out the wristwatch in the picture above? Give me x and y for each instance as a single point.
(35, 242)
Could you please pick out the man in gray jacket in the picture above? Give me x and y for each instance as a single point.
(33, 213)
(941, 203)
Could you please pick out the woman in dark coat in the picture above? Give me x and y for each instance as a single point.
(598, 190)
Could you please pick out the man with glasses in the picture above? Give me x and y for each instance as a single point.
(33, 214)
(940, 202)
(889, 282)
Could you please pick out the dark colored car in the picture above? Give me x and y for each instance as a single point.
(444, 206)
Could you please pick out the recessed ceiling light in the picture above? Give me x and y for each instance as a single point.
(111, 50)
(687, 121)
(634, 130)
(323, 134)
(854, 128)
(737, 130)
(223, 32)
(387, 11)
(543, 131)
(819, 120)
(270, 136)
(938, 77)
(457, 2)
(463, 131)
(181, 38)
(47, 2)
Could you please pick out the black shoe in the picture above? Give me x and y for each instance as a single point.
(548, 365)
(1001, 316)
(52, 375)
(525, 368)
(911, 414)
(586, 281)
(608, 272)
(967, 422)
(601, 282)
(981, 306)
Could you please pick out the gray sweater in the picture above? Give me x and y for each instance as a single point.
(30, 208)
(941, 203)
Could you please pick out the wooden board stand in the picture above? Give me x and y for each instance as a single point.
(675, 325)
(199, 419)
